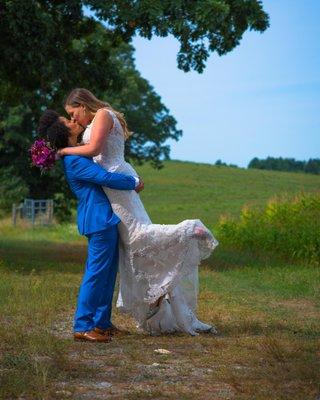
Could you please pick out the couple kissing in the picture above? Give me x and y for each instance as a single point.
(158, 264)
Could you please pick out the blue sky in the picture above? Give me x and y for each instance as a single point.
(262, 99)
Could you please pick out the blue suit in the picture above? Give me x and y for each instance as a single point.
(98, 223)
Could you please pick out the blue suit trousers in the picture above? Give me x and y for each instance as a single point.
(96, 291)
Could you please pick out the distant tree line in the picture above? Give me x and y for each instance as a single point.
(223, 164)
(312, 166)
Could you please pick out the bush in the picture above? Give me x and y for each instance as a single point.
(13, 189)
(287, 227)
(63, 207)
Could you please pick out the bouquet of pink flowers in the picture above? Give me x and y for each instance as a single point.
(42, 155)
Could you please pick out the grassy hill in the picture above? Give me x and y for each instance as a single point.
(186, 190)
(189, 190)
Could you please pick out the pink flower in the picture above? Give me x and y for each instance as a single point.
(42, 155)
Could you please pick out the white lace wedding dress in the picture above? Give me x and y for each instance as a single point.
(154, 259)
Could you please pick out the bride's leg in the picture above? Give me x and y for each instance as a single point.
(154, 307)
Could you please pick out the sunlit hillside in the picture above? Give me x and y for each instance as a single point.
(189, 190)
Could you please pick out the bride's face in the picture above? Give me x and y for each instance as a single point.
(79, 114)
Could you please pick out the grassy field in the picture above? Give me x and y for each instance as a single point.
(189, 190)
(266, 311)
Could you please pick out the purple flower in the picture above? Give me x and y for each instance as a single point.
(42, 155)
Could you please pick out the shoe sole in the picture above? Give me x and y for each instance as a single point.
(91, 341)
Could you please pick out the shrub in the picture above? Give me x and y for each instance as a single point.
(63, 207)
(288, 227)
(13, 189)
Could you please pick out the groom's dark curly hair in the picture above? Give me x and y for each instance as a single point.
(53, 130)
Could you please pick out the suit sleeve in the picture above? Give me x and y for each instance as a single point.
(85, 169)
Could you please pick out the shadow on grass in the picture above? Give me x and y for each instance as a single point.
(40, 255)
(24, 256)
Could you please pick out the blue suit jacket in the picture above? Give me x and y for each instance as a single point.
(85, 179)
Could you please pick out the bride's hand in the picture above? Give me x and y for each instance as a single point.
(140, 186)
(61, 153)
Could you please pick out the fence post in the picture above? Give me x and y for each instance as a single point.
(32, 213)
(14, 214)
(50, 211)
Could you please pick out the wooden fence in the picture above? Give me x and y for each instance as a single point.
(37, 212)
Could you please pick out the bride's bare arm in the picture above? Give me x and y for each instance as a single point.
(101, 127)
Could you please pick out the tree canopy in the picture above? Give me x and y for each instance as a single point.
(201, 27)
(49, 47)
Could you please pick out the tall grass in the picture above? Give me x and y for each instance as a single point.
(287, 227)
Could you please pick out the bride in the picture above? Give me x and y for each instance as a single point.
(158, 264)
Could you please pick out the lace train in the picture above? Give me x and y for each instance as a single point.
(157, 260)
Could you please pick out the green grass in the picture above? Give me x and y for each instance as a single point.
(267, 314)
(189, 190)
(265, 309)
(63, 233)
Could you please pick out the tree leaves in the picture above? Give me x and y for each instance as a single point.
(201, 27)
(49, 47)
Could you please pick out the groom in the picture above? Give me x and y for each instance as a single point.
(97, 222)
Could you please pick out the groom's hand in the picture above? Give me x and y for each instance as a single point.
(140, 185)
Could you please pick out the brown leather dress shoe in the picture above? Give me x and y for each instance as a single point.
(91, 336)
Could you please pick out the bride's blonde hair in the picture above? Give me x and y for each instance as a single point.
(80, 96)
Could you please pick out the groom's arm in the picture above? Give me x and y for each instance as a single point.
(84, 169)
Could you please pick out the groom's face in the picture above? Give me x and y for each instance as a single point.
(74, 128)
